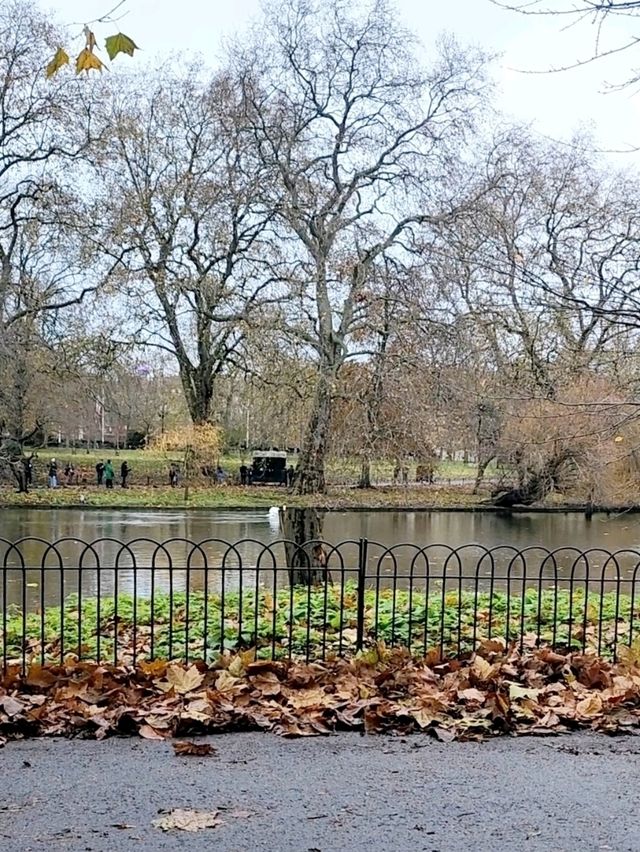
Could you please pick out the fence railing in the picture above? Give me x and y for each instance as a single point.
(123, 602)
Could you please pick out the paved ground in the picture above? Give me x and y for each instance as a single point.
(346, 793)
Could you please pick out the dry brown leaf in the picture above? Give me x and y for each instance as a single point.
(385, 690)
(307, 697)
(150, 733)
(473, 695)
(589, 707)
(40, 677)
(481, 669)
(11, 706)
(181, 819)
(445, 735)
(226, 682)
(267, 683)
(189, 749)
(199, 710)
(424, 718)
(184, 680)
(518, 693)
(236, 666)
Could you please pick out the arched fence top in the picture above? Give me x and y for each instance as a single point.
(186, 598)
(407, 558)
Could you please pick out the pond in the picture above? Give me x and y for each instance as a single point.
(108, 567)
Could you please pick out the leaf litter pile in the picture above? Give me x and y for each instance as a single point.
(495, 691)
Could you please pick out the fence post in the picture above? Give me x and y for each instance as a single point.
(362, 576)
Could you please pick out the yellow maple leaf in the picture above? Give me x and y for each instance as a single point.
(61, 58)
(236, 666)
(87, 61)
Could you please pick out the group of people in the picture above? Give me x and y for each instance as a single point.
(106, 472)
(53, 479)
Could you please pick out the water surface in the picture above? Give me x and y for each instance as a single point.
(35, 576)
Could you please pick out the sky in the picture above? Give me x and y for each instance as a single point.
(556, 105)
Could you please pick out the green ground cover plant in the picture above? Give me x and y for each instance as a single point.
(315, 622)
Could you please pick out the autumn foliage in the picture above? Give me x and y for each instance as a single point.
(495, 691)
(87, 59)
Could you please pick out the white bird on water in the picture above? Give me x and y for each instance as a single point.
(274, 518)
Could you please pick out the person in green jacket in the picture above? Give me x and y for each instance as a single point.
(109, 474)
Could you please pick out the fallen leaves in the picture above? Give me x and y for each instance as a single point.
(181, 680)
(589, 707)
(189, 749)
(149, 733)
(182, 819)
(497, 690)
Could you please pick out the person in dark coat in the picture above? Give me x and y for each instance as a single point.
(243, 474)
(53, 474)
(125, 470)
(99, 472)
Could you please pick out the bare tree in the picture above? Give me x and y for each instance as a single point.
(544, 272)
(45, 131)
(595, 14)
(191, 217)
(362, 142)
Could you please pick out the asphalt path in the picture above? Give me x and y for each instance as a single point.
(346, 792)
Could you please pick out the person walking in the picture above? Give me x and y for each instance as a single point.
(109, 474)
(99, 472)
(27, 463)
(243, 474)
(53, 474)
(125, 470)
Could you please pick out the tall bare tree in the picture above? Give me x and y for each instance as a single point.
(190, 214)
(362, 142)
(545, 272)
(45, 131)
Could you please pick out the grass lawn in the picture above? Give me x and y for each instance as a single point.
(149, 486)
(232, 496)
(154, 465)
(322, 619)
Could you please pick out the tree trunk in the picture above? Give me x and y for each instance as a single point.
(535, 485)
(305, 555)
(198, 386)
(310, 478)
(20, 478)
(482, 466)
(365, 474)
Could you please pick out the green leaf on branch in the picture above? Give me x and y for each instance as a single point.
(120, 43)
(61, 58)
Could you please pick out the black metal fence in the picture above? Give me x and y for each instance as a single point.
(141, 600)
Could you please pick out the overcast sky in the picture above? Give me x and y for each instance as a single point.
(556, 104)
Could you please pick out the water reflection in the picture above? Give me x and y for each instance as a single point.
(195, 540)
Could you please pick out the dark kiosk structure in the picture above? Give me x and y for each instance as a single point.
(269, 467)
